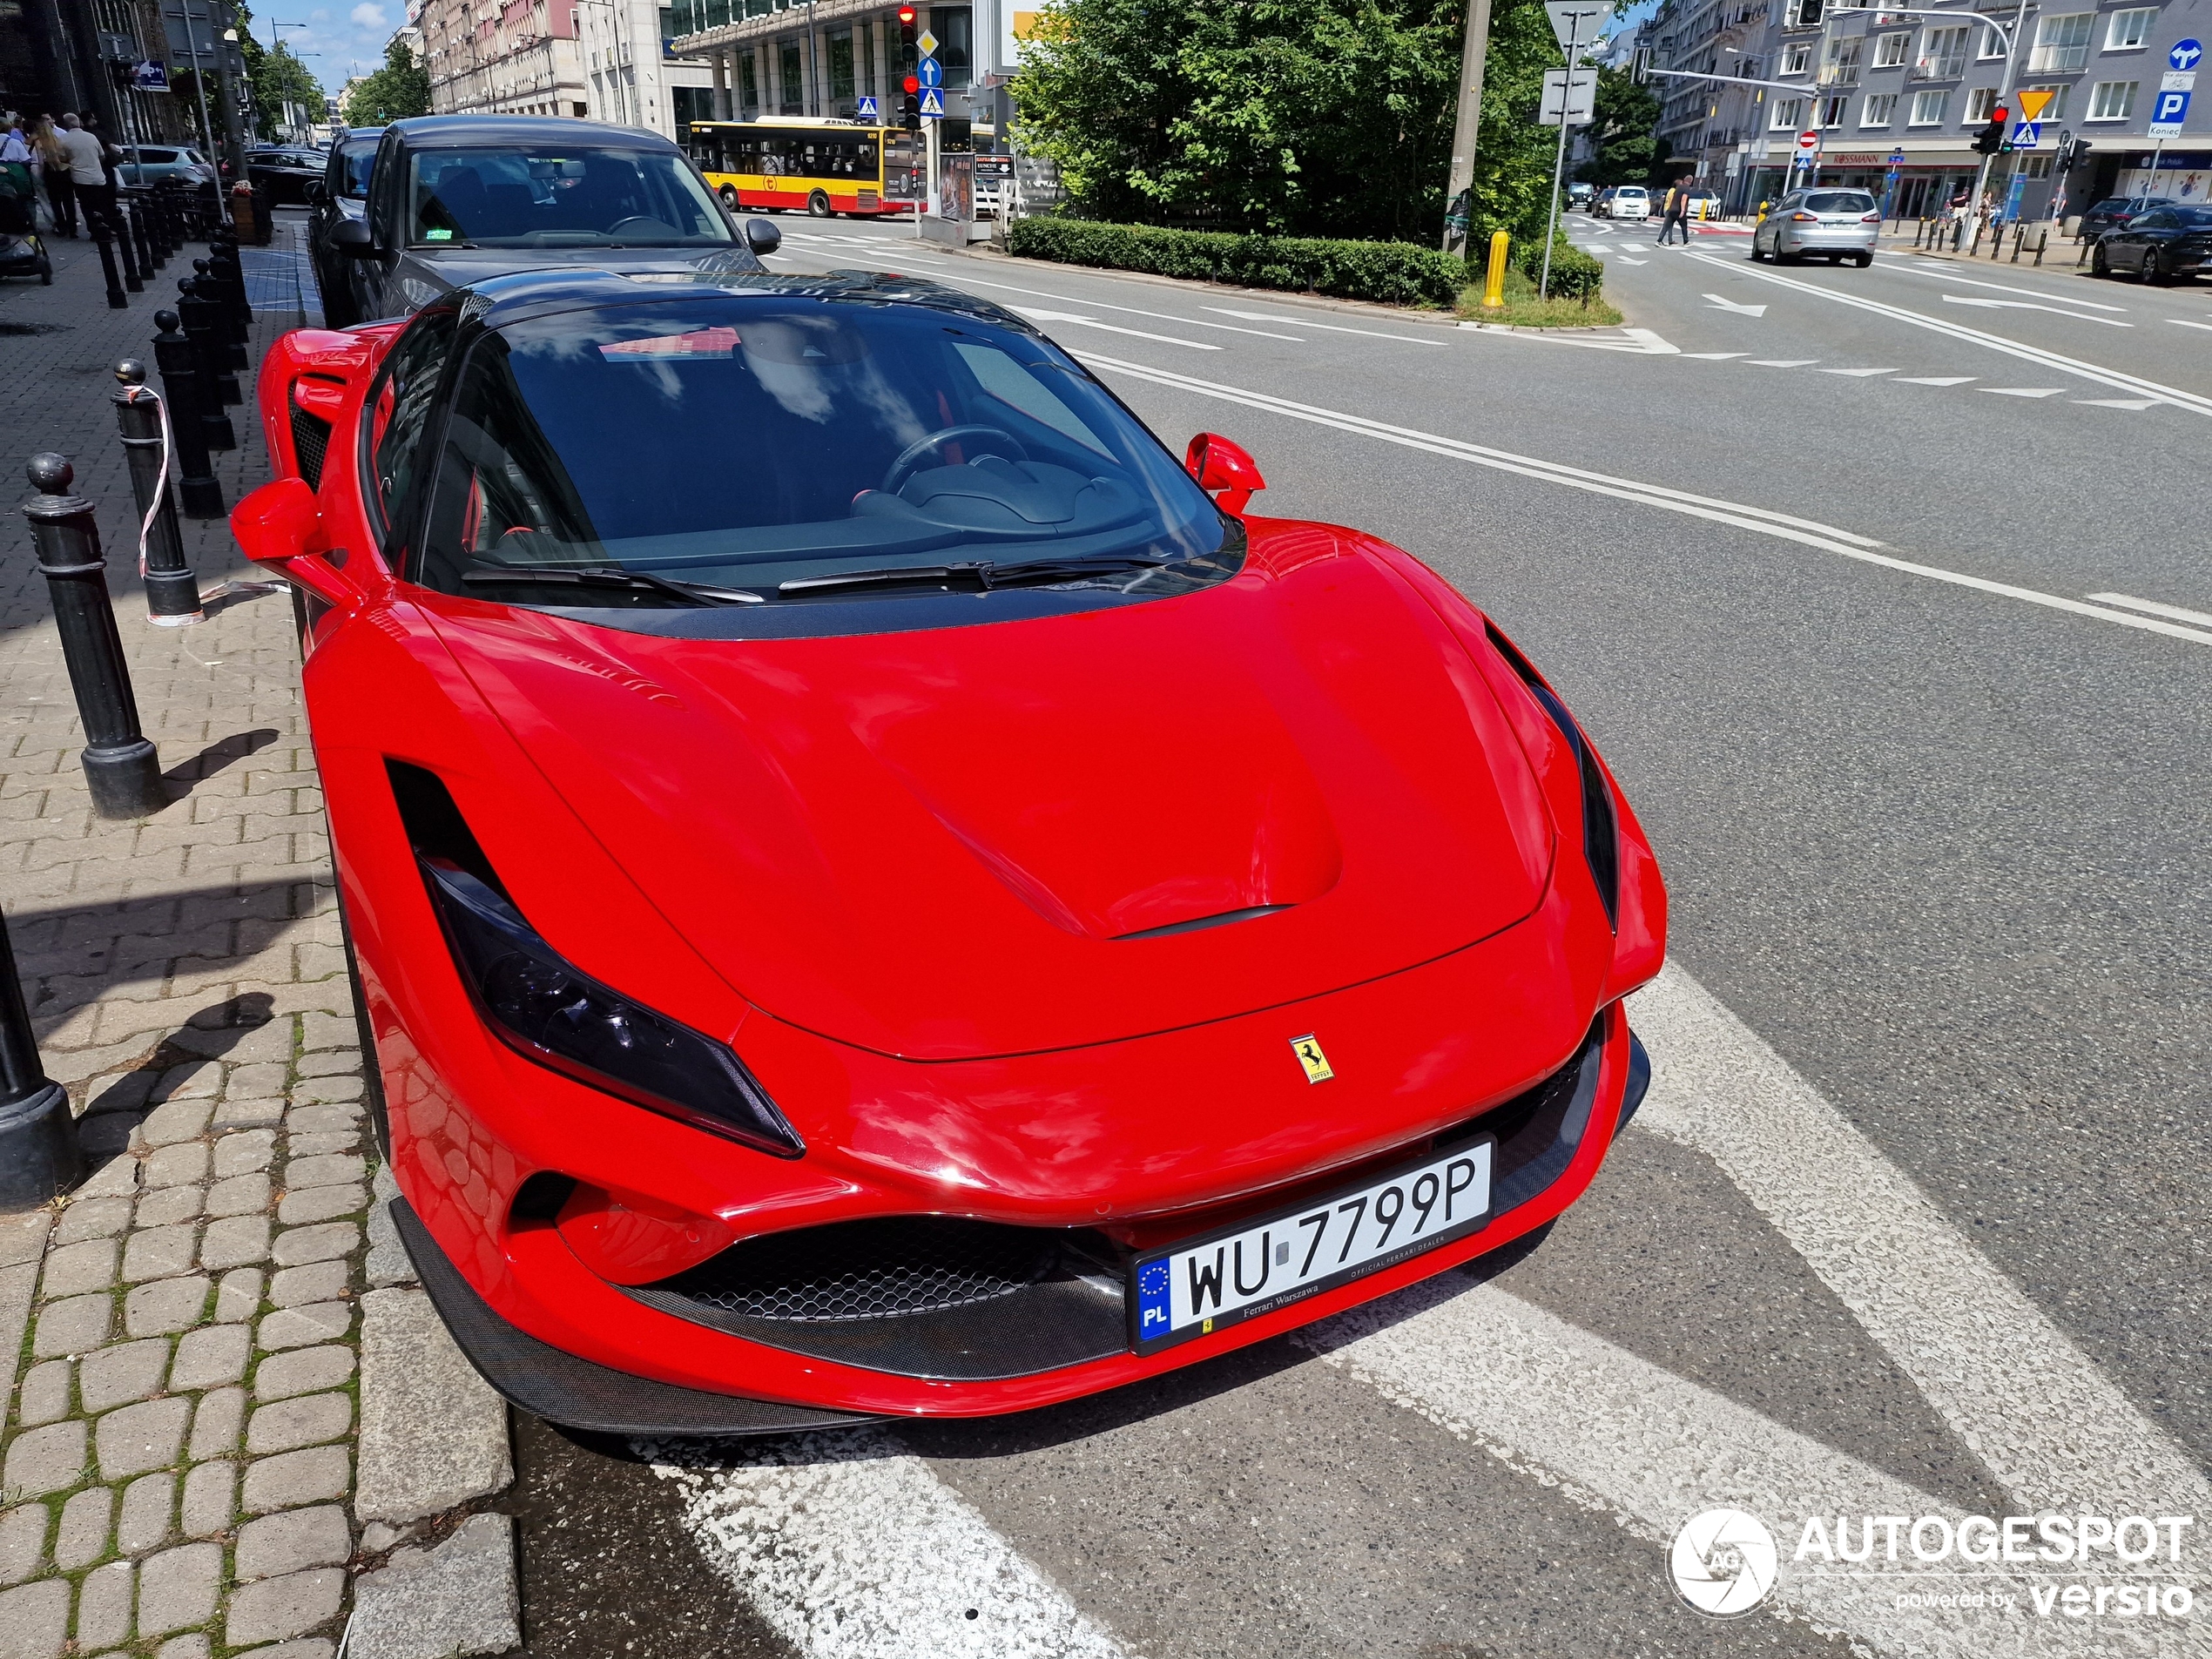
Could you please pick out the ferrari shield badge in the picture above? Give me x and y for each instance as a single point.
(1310, 1055)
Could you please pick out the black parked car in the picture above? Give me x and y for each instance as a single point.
(2158, 246)
(342, 194)
(455, 200)
(285, 173)
(2116, 210)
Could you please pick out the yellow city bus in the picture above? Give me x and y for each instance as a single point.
(824, 166)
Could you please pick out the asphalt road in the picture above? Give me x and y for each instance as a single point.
(1919, 1219)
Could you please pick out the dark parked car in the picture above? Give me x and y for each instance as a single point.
(285, 173)
(2116, 210)
(2158, 246)
(455, 200)
(342, 194)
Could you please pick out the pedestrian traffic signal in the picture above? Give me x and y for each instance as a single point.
(1640, 66)
(906, 53)
(1991, 138)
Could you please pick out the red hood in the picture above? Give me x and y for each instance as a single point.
(935, 843)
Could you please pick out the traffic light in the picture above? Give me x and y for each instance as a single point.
(909, 60)
(1991, 138)
(1640, 66)
(2070, 154)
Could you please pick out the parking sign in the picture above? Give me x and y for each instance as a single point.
(2168, 112)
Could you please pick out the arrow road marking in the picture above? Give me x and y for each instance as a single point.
(1714, 356)
(2022, 391)
(2029, 305)
(1941, 271)
(2157, 609)
(1933, 379)
(1640, 342)
(1780, 362)
(1811, 532)
(2183, 322)
(1858, 374)
(1625, 260)
(2118, 402)
(1037, 315)
(1730, 305)
(1307, 322)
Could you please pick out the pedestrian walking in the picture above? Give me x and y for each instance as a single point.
(87, 172)
(14, 145)
(49, 166)
(1674, 213)
(101, 200)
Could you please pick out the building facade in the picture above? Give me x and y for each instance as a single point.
(632, 77)
(502, 57)
(1895, 98)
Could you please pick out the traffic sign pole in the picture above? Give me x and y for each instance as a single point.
(2004, 95)
(1568, 21)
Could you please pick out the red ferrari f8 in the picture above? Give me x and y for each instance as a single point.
(871, 890)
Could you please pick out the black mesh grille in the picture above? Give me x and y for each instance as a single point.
(872, 1270)
(310, 441)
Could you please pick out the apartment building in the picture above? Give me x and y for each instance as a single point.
(502, 57)
(777, 58)
(1916, 88)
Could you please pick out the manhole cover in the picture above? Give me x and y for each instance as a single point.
(34, 327)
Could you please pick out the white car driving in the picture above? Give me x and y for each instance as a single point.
(1630, 201)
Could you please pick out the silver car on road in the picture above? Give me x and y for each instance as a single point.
(1841, 224)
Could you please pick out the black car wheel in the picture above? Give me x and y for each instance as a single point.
(2150, 270)
(2099, 262)
(818, 205)
(1864, 261)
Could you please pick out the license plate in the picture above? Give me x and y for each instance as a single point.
(1203, 1285)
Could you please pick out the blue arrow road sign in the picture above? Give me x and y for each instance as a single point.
(930, 72)
(2027, 135)
(866, 108)
(2167, 112)
(932, 104)
(2185, 54)
(1896, 158)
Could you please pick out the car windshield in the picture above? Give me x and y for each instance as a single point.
(572, 198)
(755, 441)
(357, 158)
(1840, 201)
(2194, 218)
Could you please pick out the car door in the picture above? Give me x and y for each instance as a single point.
(2138, 241)
(373, 277)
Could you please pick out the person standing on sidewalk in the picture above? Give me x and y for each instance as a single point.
(1676, 212)
(51, 166)
(14, 147)
(104, 200)
(87, 172)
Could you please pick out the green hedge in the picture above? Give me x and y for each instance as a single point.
(1393, 273)
(1575, 275)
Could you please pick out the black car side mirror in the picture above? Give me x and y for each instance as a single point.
(762, 236)
(315, 192)
(352, 238)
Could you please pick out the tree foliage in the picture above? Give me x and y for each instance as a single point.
(1623, 132)
(1331, 117)
(277, 76)
(399, 89)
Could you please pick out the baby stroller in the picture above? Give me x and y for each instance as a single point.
(22, 252)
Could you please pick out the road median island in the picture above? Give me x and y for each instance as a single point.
(1389, 273)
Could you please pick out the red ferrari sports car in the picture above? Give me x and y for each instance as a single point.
(871, 890)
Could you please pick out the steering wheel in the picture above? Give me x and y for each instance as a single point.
(646, 220)
(914, 452)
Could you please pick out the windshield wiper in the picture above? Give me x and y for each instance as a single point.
(603, 576)
(982, 574)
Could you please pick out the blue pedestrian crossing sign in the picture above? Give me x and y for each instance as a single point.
(930, 72)
(866, 108)
(932, 104)
(2027, 134)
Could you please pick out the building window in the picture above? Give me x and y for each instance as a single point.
(2055, 109)
(1889, 50)
(748, 86)
(840, 67)
(792, 75)
(1979, 103)
(1831, 111)
(1839, 63)
(1801, 14)
(1789, 115)
(1878, 110)
(1927, 109)
(1988, 44)
(1795, 58)
(2061, 44)
(2128, 31)
(1943, 55)
(2036, 167)
(2112, 100)
(951, 24)
(865, 37)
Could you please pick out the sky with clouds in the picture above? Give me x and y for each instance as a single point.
(335, 41)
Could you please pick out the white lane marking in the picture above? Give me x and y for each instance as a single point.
(1780, 363)
(1640, 342)
(2029, 305)
(2183, 322)
(2119, 403)
(1715, 356)
(2051, 1426)
(1549, 1399)
(1334, 328)
(1933, 379)
(2112, 377)
(1944, 274)
(2177, 613)
(851, 1548)
(1732, 305)
(1858, 374)
(1037, 313)
(1811, 532)
(1625, 260)
(2021, 391)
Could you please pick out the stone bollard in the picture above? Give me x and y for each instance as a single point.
(103, 239)
(211, 357)
(172, 355)
(39, 1157)
(172, 591)
(120, 764)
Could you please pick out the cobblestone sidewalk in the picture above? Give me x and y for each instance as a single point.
(206, 1451)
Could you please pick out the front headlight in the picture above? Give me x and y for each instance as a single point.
(551, 1012)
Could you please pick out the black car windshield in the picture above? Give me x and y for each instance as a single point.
(564, 198)
(354, 160)
(2192, 218)
(775, 447)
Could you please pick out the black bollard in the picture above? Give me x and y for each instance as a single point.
(172, 355)
(229, 268)
(39, 1157)
(126, 253)
(214, 281)
(172, 591)
(120, 764)
(104, 238)
(142, 227)
(211, 356)
(155, 199)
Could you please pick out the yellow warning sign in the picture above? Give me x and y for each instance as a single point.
(1310, 1055)
(2032, 103)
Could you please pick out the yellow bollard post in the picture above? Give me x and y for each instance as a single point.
(1493, 278)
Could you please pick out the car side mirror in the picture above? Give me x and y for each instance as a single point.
(278, 525)
(762, 236)
(315, 192)
(354, 239)
(1221, 466)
